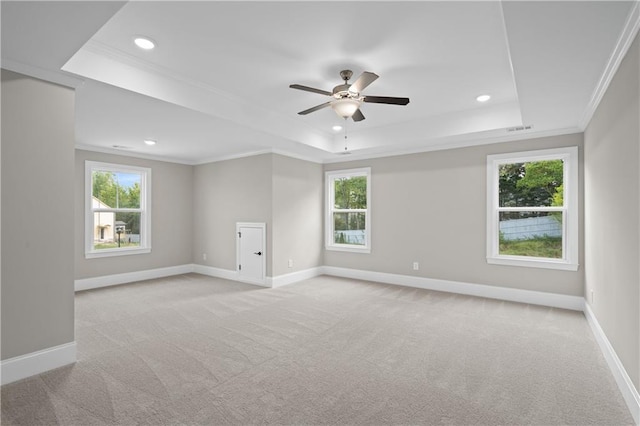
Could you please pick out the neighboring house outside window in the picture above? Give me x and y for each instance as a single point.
(532, 209)
(348, 214)
(117, 219)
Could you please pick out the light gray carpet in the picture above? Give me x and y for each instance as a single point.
(198, 350)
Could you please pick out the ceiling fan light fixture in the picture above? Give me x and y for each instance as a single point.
(345, 107)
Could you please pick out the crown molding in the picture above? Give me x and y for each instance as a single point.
(134, 154)
(629, 32)
(217, 159)
(451, 143)
(214, 159)
(62, 78)
(437, 145)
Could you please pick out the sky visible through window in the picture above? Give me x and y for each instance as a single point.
(127, 180)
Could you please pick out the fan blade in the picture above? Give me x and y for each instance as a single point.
(386, 100)
(365, 79)
(310, 89)
(315, 108)
(357, 116)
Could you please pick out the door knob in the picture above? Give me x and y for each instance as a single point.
(258, 253)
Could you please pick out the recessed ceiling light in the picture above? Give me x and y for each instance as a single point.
(149, 142)
(144, 43)
(337, 128)
(483, 98)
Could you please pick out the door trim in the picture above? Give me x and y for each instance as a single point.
(263, 227)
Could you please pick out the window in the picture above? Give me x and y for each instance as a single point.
(532, 214)
(117, 220)
(348, 217)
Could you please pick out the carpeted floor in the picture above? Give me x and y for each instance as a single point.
(198, 350)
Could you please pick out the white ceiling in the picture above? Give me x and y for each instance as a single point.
(216, 85)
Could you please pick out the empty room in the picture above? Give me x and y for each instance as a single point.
(320, 212)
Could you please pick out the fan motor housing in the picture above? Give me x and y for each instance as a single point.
(342, 90)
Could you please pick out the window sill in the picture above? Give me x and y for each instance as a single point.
(347, 248)
(533, 263)
(116, 252)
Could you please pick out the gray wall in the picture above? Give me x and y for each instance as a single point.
(171, 218)
(297, 214)
(612, 212)
(227, 192)
(431, 208)
(37, 215)
(283, 192)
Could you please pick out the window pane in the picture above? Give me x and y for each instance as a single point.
(535, 234)
(116, 230)
(531, 184)
(116, 189)
(350, 193)
(349, 228)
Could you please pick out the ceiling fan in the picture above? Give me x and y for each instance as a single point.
(347, 98)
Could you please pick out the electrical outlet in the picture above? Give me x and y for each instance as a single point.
(416, 266)
(204, 256)
(290, 263)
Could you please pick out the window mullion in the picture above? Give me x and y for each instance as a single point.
(349, 210)
(127, 210)
(531, 209)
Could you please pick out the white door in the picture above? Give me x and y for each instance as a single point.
(250, 241)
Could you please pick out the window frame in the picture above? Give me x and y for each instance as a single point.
(144, 210)
(570, 209)
(330, 177)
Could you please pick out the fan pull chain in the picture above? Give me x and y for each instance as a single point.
(345, 135)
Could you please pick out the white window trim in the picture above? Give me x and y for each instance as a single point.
(145, 206)
(329, 202)
(570, 210)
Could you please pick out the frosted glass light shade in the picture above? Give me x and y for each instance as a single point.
(345, 107)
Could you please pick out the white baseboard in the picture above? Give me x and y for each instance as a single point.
(129, 277)
(23, 366)
(226, 274)
(575, 303)
(270, 282)
(515, 295)
(628, 390)
(295, 277)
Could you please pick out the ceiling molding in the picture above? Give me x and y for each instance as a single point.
(134, 154)
(296, 156)
(447, 143)
(259, 152)
(62, 78)
(217, 159)
(441, 144)
(625, 40)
